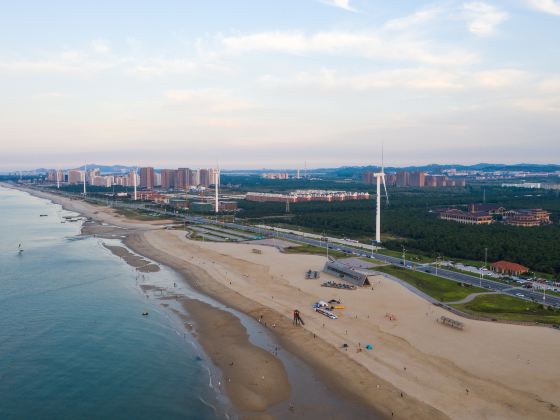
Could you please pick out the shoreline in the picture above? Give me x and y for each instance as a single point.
(469, 374)
(255, 408)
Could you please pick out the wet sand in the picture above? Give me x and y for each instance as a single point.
(133, 260)
(254, 379)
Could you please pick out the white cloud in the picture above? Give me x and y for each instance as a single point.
(342, 4)
(417, 18)
(348, 44)
(547, 6)
(152, 67)
(327, 79)
(500, 78)
(210, 100)
(483, 18)
(65, 62)
(100, 46)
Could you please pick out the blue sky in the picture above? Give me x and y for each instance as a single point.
(275, 83)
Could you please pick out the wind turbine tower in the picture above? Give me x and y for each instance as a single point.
(380, 177)
(216, 188)
(134, 181)
(85, 176)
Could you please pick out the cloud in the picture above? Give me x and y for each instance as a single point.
(346, 44)
(65, 62)
(100, 46)
(417, 18)
(483, 18)
(210, 100)
(342, 4)
(327, 79)
(155, 67)
(547, 6)
(500, 78)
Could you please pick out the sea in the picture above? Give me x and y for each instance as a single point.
(73, 341)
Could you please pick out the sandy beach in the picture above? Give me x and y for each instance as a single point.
(417, 368)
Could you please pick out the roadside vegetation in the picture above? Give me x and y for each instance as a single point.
(510, 308)
(315, 250)
(409, 221)
(436, 287)
(137, 215)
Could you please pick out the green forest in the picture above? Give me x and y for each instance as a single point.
(409, 220)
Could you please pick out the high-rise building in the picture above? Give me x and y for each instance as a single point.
(147, 178)
(403, 179)
(368, 178)
(183, 178)
(130, 179)
(75, 176)
(157, 179)
(168, 178)
(417, 179)
(213, 174)
(194, 179)
(204, 175)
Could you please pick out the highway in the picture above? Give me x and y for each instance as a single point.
(485, 283)
(509, 289)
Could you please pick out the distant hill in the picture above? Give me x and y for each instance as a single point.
(350, 171)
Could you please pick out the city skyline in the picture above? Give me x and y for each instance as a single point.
(278, 83)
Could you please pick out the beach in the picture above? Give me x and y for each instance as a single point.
(417, 368)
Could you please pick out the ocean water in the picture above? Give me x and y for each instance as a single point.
(73, 342)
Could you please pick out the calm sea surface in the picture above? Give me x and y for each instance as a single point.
(73, 343)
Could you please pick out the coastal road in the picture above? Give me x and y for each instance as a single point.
(302, 237)
(485, 283)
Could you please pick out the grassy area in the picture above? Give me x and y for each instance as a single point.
(409, 257)
(372, 260)
(436, 287)
(315, 250)
(137, 215)
(510, 308)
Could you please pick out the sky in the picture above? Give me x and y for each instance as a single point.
(261, 83)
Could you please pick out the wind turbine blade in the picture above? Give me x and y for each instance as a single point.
(385, 188)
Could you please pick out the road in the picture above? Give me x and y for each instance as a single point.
(485, 283)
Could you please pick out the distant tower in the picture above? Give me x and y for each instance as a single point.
(298, 177)
(305, 170)
(216, 187)
(85, 176)
(134, 177)
(57, 178)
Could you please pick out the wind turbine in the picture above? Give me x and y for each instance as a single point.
(216, 186)
(134, 177)
(380, 177)
(85, 176)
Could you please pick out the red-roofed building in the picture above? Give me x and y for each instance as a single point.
(506, 267)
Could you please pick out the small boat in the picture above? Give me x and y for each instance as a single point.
(43, 215)
(20, 249)
(145, 313)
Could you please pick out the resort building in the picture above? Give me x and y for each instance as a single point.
(470, 218)
(527, 217)
(506, 267)
(307, 195)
